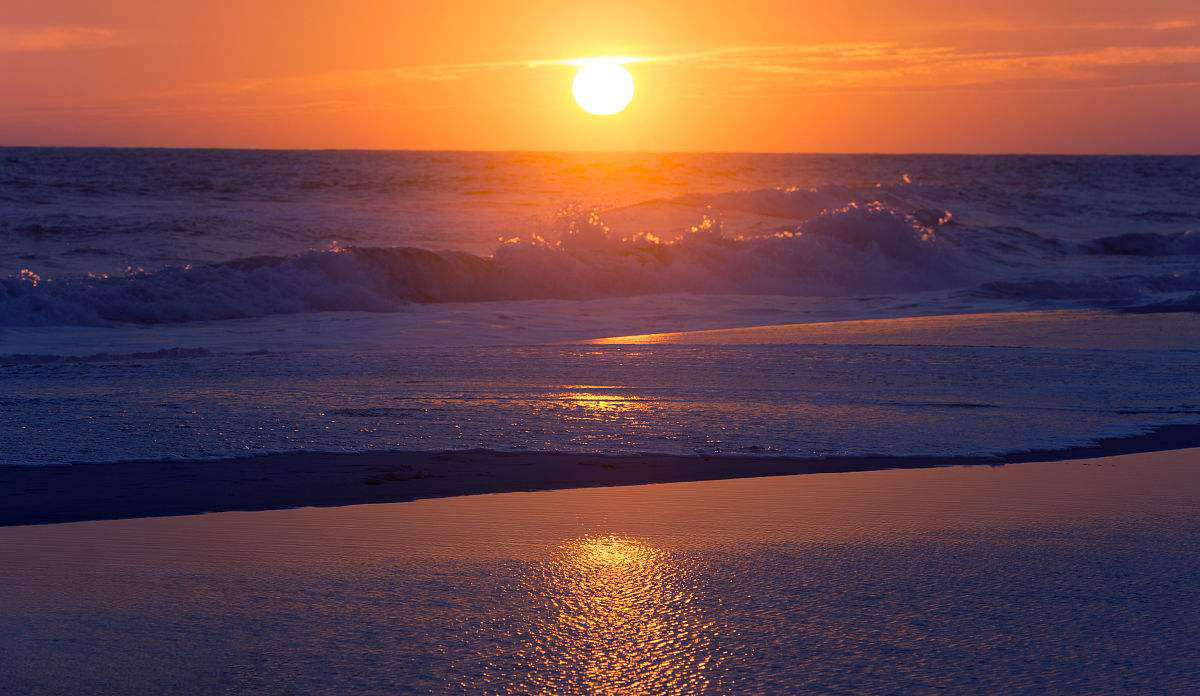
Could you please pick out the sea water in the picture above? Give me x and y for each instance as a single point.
(159, 304)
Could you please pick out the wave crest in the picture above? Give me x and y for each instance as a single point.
(854, 249)
(821, 242)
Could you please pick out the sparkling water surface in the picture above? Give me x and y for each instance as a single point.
(1073, 578)
(795, 400)
(165, 304)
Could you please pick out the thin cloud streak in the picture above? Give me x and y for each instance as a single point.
(890, 65)
(56, 38)
(796, 68)
(835, 61)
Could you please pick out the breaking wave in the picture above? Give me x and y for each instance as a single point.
(829, 242)
(855, 249)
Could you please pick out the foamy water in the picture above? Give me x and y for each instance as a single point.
(96, 237)
(165, 304)
(783, 398)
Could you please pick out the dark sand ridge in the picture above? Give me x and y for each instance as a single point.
(41, 495)
(44, 495)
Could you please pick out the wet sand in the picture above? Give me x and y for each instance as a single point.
(1068, 328)
(81, 492)
(1051, 577)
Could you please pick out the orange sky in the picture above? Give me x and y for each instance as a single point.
(803, 76)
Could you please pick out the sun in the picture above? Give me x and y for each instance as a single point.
(602, 86)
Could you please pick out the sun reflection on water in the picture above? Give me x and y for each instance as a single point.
(623, 619)
(599, 403)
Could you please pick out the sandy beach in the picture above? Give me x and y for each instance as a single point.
(79, 492)
(51, 494)
(1076, 329)
(45, 495)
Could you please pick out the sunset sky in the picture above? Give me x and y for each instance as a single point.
(867, 76)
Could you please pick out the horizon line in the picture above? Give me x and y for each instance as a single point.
(868, 153)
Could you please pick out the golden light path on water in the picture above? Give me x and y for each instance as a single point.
(1069, 577)
(624, 619)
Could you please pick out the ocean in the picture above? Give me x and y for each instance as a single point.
(207, 304)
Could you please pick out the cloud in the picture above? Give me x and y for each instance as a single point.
(846, 67)
(1155, 25)
(835, 67)
(55, 38)
(887, 66)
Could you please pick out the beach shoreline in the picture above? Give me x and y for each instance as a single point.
(90, 492)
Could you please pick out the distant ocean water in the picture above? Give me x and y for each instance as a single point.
(97, 237)
(218, 302)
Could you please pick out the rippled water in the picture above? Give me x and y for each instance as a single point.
(736, 394)
(1073, 577)
(74, 210)
(159, 304)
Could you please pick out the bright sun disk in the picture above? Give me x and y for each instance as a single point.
(602, 87)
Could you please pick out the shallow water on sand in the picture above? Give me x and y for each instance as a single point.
(955, 386)
(1073, 577)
